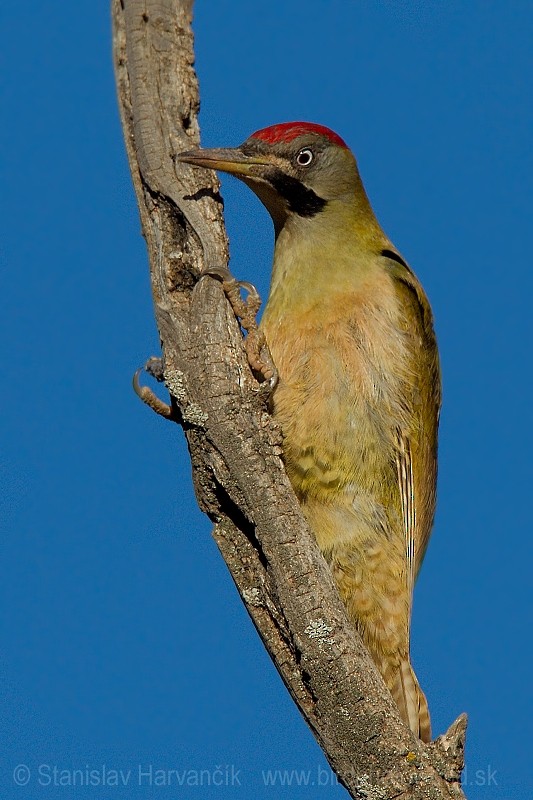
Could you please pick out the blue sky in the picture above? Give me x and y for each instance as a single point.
(124, 640)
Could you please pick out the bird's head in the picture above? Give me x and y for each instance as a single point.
(295, 168)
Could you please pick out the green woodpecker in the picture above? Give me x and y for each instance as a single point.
(351, 334)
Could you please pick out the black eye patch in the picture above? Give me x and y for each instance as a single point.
(300, 199)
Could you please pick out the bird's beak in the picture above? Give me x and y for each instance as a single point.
(230, 160)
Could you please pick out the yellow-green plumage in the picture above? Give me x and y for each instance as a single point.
(358, 373)
(350, 331)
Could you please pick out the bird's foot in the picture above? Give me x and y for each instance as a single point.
(154, 367)
(245, 309)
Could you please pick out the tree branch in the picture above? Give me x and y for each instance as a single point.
(234, 445)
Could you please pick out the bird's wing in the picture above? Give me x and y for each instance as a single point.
(417, 442)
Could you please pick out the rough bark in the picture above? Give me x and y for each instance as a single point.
(234, 446)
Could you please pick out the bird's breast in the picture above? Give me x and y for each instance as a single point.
(342, 365)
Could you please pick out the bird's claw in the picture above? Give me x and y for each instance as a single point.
(154, 367)
(269, 374)
(257, 350)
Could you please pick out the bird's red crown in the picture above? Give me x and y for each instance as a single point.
(287, 131)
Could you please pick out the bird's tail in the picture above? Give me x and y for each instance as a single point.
(409, 698)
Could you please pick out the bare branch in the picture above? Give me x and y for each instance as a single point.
(234, 445)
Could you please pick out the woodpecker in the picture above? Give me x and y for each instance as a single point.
(351, 333)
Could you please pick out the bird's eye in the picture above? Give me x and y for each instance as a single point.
(304, 157)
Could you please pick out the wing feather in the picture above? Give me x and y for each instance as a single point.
(417, 443)
(407, 496)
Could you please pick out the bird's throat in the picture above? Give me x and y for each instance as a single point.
(324, 253)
